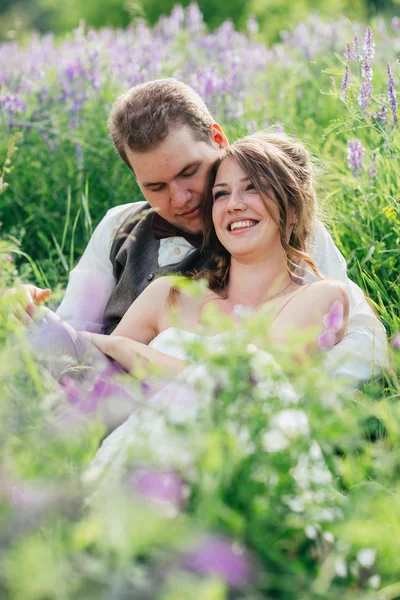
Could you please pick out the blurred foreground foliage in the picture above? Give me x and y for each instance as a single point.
(250, 477)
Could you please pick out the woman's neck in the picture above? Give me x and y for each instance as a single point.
(250, 284)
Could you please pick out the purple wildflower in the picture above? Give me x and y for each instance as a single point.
(369, 46)
(348, 52)
(382, 115)
(345, 82)
(396, 24)
(372, 171)
(355, 154)
(356, 49)
(159, 487)
(327, 339)
(334, 319)
(396, 342)
(392, 96)
(220, 557)
(12, 104)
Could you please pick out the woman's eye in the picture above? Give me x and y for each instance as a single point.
(250, 187)
(218, 195)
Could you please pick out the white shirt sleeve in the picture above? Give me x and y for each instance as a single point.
(364, 349)
(92, 281)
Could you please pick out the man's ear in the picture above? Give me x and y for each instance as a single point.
(218, 136)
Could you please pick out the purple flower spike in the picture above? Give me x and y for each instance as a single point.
(366, 71)
(369, 46)
(348, 53)
(396, 341)
(334, 319)
(392, 96)
(372, 171)
(220, 557)
(164, 487)
(356, 49)
(355, 155)
(345, 83)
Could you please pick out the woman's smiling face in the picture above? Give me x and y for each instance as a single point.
(246, 224)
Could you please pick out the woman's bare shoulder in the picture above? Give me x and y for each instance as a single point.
(324, 293)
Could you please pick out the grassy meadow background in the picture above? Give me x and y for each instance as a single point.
(329, 81)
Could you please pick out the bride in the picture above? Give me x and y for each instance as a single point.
(257, 217)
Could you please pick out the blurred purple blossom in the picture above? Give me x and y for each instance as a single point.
(366, 71)
(345, 82)
(12, 104)
(159, 487)
(327, 339)
(372, 171)
(355, 155)
(382, 115)
(392, 96)
(396, 342)
(356, 49)
(348, 52)
(396, 24)
(216, 556)
(334, 319)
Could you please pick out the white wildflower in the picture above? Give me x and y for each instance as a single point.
(311, 532)
(340, 567)
(293, 423)
(366, 557)
(328, 537)
(374, 581)
(274, 441)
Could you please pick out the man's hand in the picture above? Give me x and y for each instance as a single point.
(29, 296)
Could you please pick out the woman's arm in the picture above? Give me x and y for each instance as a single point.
(131, 354)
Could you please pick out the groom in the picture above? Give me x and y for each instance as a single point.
(166, 135)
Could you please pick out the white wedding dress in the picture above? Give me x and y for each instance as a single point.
(175, 399)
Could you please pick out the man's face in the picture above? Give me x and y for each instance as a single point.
(173, 176)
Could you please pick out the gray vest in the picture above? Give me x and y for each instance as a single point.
(134, 256)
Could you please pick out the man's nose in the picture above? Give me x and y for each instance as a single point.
(180, 195)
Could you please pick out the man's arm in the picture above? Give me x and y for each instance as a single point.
(364, 350)
(92, 281)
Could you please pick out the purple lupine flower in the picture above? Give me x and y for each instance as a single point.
(372, 171)
(392, 96)
(366, 86)
(396, 342)
(12, 104)
(159, 487)
(369, 46)
(356, 49)
(355, 155)
(216, 556)
(382, 115)
(345, 83)
(348, 52)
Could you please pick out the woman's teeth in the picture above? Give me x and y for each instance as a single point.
(242, 225)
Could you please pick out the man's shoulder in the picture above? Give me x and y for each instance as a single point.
(122, 211)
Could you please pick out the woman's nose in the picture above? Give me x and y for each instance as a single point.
(235, 201)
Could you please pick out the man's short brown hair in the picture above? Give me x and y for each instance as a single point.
(141, 118)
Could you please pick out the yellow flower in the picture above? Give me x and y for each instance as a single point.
(390, 213)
